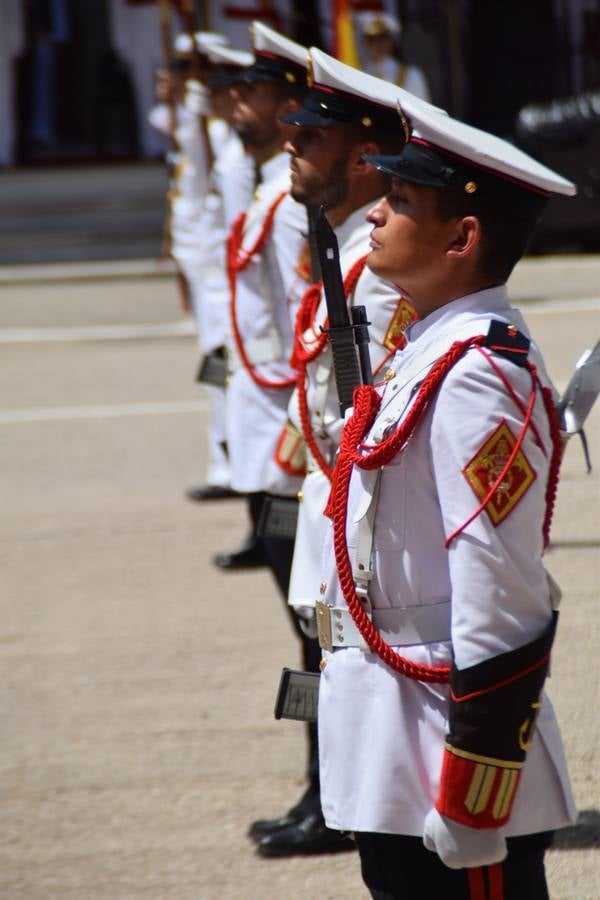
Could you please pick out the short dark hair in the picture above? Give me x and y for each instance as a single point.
(290, 91)
(390, 143)
(504, 236)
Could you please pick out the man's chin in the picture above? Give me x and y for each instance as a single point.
(374, 263)
(300, 196)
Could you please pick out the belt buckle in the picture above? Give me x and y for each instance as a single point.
(323, 617)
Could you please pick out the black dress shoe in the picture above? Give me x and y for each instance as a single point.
(211, 492)
(250, 556)
(310, 835)
(309, 802)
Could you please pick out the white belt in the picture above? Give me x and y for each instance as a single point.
(399, 626)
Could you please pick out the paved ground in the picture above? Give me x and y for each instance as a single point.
(138, 738)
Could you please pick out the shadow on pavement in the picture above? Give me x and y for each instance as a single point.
(584, 835)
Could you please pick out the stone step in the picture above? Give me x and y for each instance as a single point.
(82, 213)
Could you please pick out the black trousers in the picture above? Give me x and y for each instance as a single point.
(397, 867)
(279, 552)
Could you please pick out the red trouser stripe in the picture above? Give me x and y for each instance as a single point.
(486, 883)
(476, 884)
(496, 882)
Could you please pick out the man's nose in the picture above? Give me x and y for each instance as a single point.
(375, 215)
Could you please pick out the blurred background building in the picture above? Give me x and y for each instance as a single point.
(77, 76)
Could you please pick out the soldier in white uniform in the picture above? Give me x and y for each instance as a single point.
(438, 746)
(337, 124)
(196, 223)
(264, 249)
(267, 252)
(380, 32)
(227, 193)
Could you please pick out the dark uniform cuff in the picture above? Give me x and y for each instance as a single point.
(493, 708)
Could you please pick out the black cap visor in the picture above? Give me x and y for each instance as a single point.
(324, 108)
(223, 76)
(306, 118)
(417, 164)
(268, 67)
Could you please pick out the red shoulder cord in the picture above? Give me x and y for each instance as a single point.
(352, 452)
(308, 348)
(238, 259)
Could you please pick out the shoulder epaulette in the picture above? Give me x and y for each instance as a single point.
(506, 340)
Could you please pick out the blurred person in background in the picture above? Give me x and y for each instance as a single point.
(136, 36)
(11, 45)
(380, 34)
(49, 24)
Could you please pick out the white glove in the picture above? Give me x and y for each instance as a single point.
(306, 620)
(460, 847)
(197, 98)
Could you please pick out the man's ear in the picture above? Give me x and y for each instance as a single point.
(360, 164)
(467, 237)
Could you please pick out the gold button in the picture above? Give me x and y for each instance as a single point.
(388, 375)
(323, 663)
(338, 613)
(300, 496)
(366, 121)
(323, 587)
(470, 187)
(289, 76)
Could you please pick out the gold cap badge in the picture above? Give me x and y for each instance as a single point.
(310, 72)
(405, 125)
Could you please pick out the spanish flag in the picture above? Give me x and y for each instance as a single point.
(344, 38)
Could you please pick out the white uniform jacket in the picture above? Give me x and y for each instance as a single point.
(381, 734)
(386, 311)
(189, 185)
(206, 266)
(268, 292)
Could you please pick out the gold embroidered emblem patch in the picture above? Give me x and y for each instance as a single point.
(404, 316)
(486, 466)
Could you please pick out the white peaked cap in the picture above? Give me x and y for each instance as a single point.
(267, 40)
(485, 150)
(333, 73)
(204, 41)
(228, 56)
(444, 153)
(276, 58)
(340, 95)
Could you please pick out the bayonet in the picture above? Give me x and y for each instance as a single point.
(579, 397)
(341, 330)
